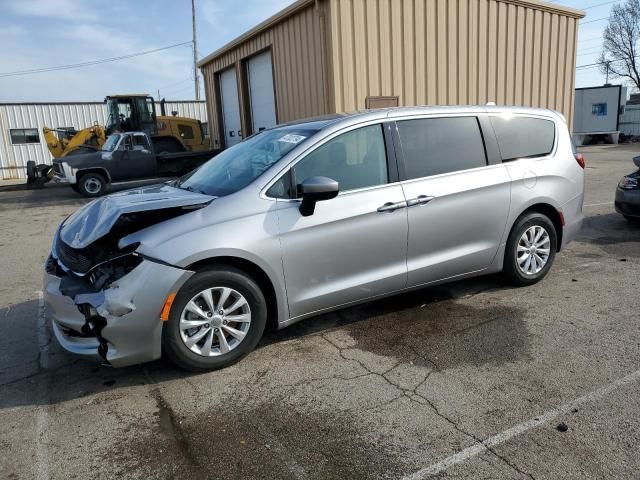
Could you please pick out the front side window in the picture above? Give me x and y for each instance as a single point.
(356, 159)
(432, 146)
(21, 136)
(523, 137)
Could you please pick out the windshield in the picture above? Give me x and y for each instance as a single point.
(111, 143)
(238, 166)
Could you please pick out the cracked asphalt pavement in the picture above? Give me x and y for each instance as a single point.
(473, 379)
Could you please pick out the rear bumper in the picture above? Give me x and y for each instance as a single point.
(628, 202)
(131, 307)
(573, 218)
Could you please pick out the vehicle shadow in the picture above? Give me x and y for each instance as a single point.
(62, 377)
(612, 233)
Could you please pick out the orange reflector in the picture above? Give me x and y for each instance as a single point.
(164, 315)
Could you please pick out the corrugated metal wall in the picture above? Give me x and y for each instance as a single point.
(434, 52)
(13, 158)
(298, 45)
(630, 120)
(447, 52)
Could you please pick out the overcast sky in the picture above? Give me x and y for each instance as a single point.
(47, 33)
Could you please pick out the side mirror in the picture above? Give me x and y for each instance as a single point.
(636, 160)
(316, 189)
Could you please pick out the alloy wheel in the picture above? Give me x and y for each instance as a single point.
(215, 321)
(533, 250)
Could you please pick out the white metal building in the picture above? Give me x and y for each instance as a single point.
(21, 127)
(630, 120)
(597, 113)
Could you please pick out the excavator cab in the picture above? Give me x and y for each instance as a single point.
(131, 113)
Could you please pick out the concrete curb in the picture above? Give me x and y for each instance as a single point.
(15, 187)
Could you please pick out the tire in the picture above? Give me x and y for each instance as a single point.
(528, 273)
(92, 184)
(194, 357)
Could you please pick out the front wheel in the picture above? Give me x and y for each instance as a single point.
(217, 317)
(92, 184)
(531, 249)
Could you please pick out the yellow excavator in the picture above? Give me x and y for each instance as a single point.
(63, 142)
(132, 113)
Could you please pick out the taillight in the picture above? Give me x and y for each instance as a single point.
(580, 159)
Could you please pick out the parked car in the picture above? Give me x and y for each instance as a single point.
(628, 194)
(309, 217)
(124, 156)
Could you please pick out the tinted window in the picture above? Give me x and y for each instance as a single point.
(521, 137)
(432, 146)
(356, 159)
(186, 132)
(24, 135)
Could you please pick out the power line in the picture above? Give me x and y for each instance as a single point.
(599, 5)
(90, 62)
(594, 20)
(592, 65)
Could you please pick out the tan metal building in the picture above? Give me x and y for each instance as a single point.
(324, 56)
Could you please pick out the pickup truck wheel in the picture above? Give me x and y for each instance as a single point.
(217, 318)
(92, 184)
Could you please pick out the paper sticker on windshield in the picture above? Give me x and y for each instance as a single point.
(292, 138)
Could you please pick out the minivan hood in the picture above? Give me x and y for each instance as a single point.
(97, 218)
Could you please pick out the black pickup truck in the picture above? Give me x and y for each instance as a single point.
(124, 156)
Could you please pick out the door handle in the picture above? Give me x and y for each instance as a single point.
(391, 207)
(419, 200)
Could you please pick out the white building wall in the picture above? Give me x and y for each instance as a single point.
(586, 121)
(13, 158)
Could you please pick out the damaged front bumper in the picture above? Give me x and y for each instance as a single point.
(119, 325)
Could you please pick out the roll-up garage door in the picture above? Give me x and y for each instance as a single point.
(230, 107)
(262, 101)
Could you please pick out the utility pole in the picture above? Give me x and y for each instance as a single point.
(195, 50)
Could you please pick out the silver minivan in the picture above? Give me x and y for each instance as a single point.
(308, 217)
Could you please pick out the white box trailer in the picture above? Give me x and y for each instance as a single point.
(597, 113)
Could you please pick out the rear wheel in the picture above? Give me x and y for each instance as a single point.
(217, 318)
(531, 249)
(92, 184)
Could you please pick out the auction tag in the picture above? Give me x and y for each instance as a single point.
(292, 138)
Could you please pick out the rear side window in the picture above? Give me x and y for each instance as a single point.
(522, 137)
(432, 146)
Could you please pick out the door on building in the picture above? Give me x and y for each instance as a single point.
(262, 100)
(230, 107)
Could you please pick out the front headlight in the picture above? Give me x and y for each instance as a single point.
(629, 183)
